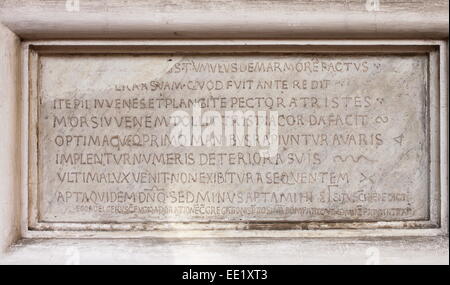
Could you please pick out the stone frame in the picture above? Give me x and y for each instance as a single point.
(35, 228)
(17, 36)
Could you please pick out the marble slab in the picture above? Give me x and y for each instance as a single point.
(347, 138)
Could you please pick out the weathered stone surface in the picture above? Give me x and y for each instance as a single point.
(352, 131)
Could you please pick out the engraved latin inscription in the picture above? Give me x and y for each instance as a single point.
(351, 138)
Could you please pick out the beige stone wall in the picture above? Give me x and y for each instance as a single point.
(408, 32)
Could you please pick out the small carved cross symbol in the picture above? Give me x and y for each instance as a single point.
(364, 177)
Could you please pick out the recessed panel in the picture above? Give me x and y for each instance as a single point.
(141, 138)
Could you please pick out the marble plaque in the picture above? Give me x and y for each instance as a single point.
(351, 138)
